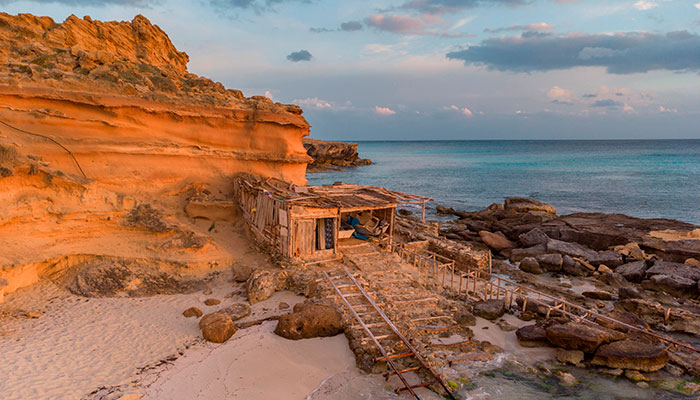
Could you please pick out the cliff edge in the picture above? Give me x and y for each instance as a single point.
(330, 155)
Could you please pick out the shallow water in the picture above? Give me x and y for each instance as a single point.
(642, 178)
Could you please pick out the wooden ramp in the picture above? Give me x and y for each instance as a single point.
(363, 307)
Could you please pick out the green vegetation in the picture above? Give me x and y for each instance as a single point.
(47, 61)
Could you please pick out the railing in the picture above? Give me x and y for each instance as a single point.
(471, 283)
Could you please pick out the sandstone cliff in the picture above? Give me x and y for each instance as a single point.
(327, 155)
(113, 157)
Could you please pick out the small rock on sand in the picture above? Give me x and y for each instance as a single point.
(261, 285)
(283, 306)
(33, 314)
(489, 309)
(217, 327)
(212, 302)
(207, 292)
(192, 312)
(309, 321)
(237, 310)
(506, 326)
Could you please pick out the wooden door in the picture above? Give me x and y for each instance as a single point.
(304, 237)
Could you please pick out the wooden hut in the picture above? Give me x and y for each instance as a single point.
(307, 223)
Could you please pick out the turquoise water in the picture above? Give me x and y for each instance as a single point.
(642, 178)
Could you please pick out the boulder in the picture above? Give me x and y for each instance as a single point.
(530, 264)
(634, 271)
(581, 336)
(573, 267)
(522, 205)
(631, 354)
(675, 269)
(496, 241)
(217, 327)
(550, 262)
(692, 262)
(518, 254)
(674, 285)
(597, 295)
(571, 249)
(192, 312)
(237, 311)
(533, 238)
(532, 336)
(310, 321)
(261, 286)
(569, 356)
(489, 309)
(464, 317)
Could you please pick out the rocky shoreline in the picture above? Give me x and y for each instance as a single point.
(332, 155)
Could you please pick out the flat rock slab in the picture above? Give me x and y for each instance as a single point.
(581, 336)
(631, 354)
(634, 271)
(675, 269)
(532, 336)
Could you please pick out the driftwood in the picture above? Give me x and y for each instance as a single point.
(245, 325)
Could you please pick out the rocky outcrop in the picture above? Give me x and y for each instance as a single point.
(310, 321)
(580, 336)
(631, 354)
(327, 155)
(217, 327)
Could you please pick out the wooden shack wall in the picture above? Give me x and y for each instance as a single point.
(267, 217)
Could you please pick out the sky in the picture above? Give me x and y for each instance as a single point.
(442, 69)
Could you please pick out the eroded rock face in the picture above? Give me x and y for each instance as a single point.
(310, 321)
(217, 327)
(581, 336)
(523, 205)
(261, 286)
(631, 354)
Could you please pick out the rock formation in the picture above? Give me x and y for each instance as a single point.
(328, 155)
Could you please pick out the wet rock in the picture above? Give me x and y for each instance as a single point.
(598, 295)
(192, 312)
(569, 356)
(489, 309)
(565, 378)
(635, 376)
(614, 372)
(530, 264)
(261, 286)
(674, 285)
(631, 354)
(309, 321)
(217, 327)
(580, 336)
(518, 254)
(533, 238)
(550, 262)
(496, 241)
(532, 336)
(575, 268)
(655, 315)
(571, 249)
(674, 269)
(634, 271)
(523, 205)
(237, 311)
(212, 302)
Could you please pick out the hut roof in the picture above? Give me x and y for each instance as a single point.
(338, 195)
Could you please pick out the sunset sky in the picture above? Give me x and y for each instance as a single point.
(443, 69)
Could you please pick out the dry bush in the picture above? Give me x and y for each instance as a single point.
(8, 156)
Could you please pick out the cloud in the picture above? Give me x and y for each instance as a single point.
(645, 5)
(446, 6)
(255, 5)
(314, 102)
(542, 26)
(396, 23)
(351, 26)
(464, 110)
(321, 30)
(663, 109)
(560, 96)
(301, 55)
(609, 103)
(697, 5)
(619, 53)
(384, 110)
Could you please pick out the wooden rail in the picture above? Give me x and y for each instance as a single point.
(470, 282)
(413, 352)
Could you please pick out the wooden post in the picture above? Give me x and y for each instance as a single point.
(423, 212)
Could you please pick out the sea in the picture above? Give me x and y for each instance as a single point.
(640, 178)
